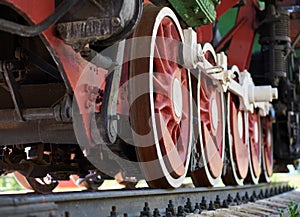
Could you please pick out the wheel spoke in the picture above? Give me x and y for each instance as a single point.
(254, 147)
(168, 103)
(212, 153)
(236, 141)
(211, 132)
(267, 149)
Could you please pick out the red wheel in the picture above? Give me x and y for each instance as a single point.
(161, 117)
(211, 128)
(237, 126)
(267, 149)
(254, 147)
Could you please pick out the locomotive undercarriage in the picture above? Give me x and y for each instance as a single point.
(205, 119)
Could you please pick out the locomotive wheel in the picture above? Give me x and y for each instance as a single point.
(43, 185)
(267, 149)
(237, 126)
(162, 115)
(254, 147)
(211, 129)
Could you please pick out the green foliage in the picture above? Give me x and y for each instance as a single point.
(9, 183)
(292, 210)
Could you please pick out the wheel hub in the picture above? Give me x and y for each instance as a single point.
(256, 134)
(214, 114)
(177, 97)
(240, 124)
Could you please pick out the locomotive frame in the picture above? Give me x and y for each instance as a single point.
(77, 98)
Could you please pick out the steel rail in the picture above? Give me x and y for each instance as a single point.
(126, 201)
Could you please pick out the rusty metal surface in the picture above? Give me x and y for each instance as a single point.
(126, 201)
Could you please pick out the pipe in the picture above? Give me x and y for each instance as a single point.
(34, 30)
(32, 114)
(45, 131)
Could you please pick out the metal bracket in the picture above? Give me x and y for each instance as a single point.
(107, 119)
(240, 84)
(7, 68)
(113, 95)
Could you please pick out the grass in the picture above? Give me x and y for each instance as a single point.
(292, 178)
(8, 183)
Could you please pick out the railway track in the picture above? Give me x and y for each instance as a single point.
(152, 202)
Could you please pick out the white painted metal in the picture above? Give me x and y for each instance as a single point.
(177, 97)
(250, 96)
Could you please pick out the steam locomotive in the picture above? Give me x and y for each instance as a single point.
(152, 90)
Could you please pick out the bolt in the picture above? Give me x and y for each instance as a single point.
(252, 198)
(88, 88)
(203, 204)
(170, 208)
(237, 199)
(246, 196)
(267, 193)
(224, 204)
(156, 213)
(197, 211)
(271, 192)
(146, 211)
(196, 10)
(113, 212)
(98, 100)
(92, 97)
(261, 194)
(244, 199)
(188, 205)
(217, 202)
(254, 194)
(186, 16)
(229, 199)
(197, 206)
(88, 104)
(115, 21)
(180, 211)
(211, 206)
(169, 214)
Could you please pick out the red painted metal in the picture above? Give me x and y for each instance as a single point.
(29, 8)
(225, 6)
(240, 48)
(240, 150)
(267, 145)
(230, 34)
(72, 66)
(204, 33)
(212, 135)
(147, 2)
(166, 71)
(255, 143)
(169, 134)
(241, 35)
